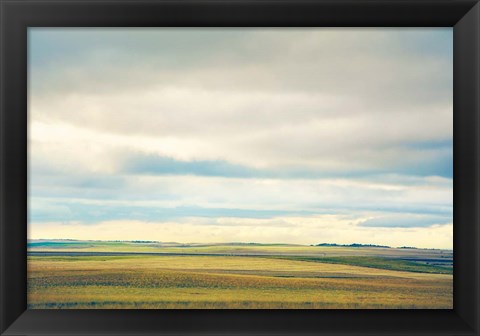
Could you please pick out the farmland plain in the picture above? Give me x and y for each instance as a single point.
(90, 274)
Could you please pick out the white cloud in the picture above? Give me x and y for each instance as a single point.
(364, 114)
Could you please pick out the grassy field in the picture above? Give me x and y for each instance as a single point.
(375, 262)
(275, 280)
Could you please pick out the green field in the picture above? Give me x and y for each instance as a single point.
(77, 275)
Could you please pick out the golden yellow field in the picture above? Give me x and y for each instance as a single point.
(227, 282)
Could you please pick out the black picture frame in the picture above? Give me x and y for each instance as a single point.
(18, 15)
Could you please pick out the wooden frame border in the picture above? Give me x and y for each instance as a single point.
(17, 15)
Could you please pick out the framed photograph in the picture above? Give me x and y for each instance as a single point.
(238, 167)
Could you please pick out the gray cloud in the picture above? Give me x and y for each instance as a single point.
(255, 122)
(245, 59)
(330, 99)
(406, 221)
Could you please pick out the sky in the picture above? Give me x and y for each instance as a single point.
(209, 135)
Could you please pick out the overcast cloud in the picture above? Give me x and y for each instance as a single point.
(255, 135)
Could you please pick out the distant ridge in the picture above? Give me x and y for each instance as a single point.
(43, 242)
(193, 244)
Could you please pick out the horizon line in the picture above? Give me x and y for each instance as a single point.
(323, 244)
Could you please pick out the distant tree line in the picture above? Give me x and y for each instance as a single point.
(352, 245)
